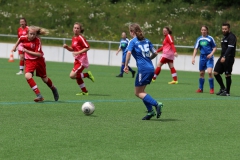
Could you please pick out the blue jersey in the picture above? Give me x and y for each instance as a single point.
(141, 52)
(205, 44)
(123, 44)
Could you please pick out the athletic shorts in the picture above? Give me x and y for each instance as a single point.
(20, 52)
(144, 78)
(165, 60)
(78, 67)
(205, 62)
(36, 64)
(225, 67)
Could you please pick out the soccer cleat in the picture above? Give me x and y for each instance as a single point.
(199, 90)
(173, 82)
(39, 99)
(55, 94)
(82, 94)
(120, 75)
(149, 115)
(133, 74)
(153, 80)
(19, 73)
(212, 91)
(220, 92)
(90, 76)
(225, 94)
(159, 109)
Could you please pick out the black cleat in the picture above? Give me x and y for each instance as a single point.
(55, 94)
(225, 94)
(133, 74)
(220, 92)
(159, 109)
(149, 115)
(120, 75)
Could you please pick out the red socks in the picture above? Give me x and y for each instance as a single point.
(33, 85)
(82, 75)
(157, 72)
(81, 85)
(174, 74)
(50, 84)
(21, 64)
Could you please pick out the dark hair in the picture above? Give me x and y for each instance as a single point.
(226, 24)
(168, 29)
(137, 30)
(204, 27)
(24, 20)
(80, 26)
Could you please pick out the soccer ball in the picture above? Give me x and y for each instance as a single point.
(88, 108)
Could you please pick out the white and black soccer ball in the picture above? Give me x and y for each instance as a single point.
(88, 108)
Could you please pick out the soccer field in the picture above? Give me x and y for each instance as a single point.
(196, 126)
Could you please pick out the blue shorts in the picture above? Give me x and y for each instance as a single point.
(144, 78)
(205, 63)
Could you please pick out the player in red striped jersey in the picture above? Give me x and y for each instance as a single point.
(79, 50)
(34, 61)
(22, 30)
(168, 53)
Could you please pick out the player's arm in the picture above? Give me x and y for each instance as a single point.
(84, 50)
(15, 46)
(127, 61)
(171, 42)
(194, 55)
(231, 44)
(37, 54)
(153, 51)
(119, 49)
(160, 49)
(68, 47)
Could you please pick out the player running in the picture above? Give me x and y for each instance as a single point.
(168, 53)
(34, 60)
(22, 31)
(140, 48)
(79, 50)
(207, 47)
(123, 46)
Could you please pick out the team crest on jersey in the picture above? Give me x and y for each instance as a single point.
(203, 43)
(33, 45)
(75, 43)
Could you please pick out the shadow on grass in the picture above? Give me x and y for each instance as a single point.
(99, 95)
(165, 120)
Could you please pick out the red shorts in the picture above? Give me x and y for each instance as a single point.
(36, 64)
(20, 52)
(78, 67)
(165, 60)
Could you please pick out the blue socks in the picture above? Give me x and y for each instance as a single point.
(149, 102)
(201, 83)
(211, 83)
(122, 70)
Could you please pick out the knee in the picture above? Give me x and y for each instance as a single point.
(201, 74)
(45, 79)
(215, 73)
(72, 76)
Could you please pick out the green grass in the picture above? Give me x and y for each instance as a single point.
(192, 126)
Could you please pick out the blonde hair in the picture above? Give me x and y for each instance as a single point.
(134, 27)
(39, 30)
(80, 26)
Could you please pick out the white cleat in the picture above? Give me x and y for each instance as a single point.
(19, 73)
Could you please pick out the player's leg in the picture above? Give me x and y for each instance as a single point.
(201, 81)
(21, 62)
(140, 85)
(122, 66)
(228, 64)
(218, 70)
(41, 72)
(30, 67)
(173, 72)
(210, 64)
(158, 68)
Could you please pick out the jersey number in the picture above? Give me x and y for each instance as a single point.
(145, 50)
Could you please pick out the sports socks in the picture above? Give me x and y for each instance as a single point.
(82, 75)
(81, 85)
(220, 81)
(33, 85)
(21, 65)
(156, 72)
(50, 84)
(201, 83)
(174, 73)
(211, 83)
(149, 102)
(228, 84)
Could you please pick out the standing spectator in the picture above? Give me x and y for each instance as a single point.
(207, 46)
(79, 50)
(123, 46)
(168, 53)
(22, 31)
(226, 60)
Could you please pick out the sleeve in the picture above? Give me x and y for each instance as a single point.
(83, 42)
(231, 44)
(196, 45)
(151, 48)
(38, 45)
(160, 49)
(130, 46)
(170, 41)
